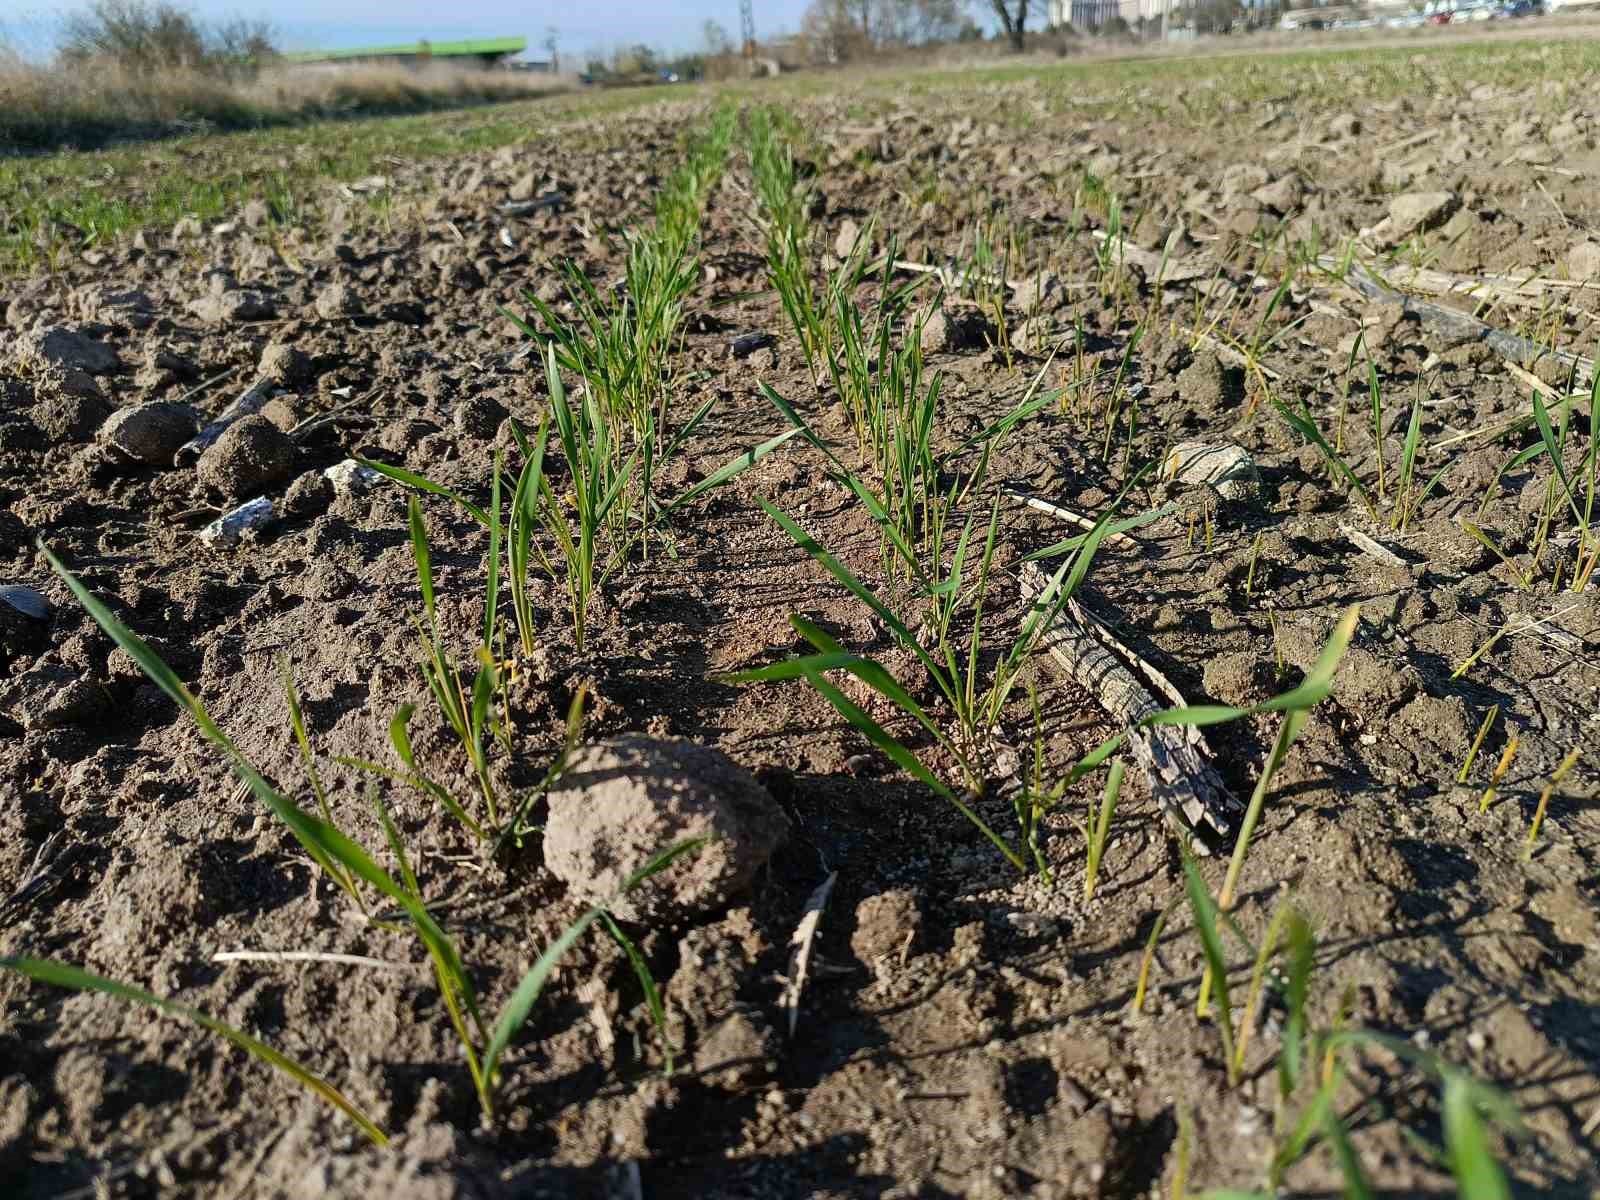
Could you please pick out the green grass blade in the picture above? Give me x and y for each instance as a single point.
(1466, 1140)
(647, 983)
(1070, 544)
(858, 589)
(1356, 1186)
(1541, 417)
(1311, 1121)
(424, 558)
(423, 484)
(491, 595)
(1306, 428)
(65, 976)
(733, 468)
(396, 846)
(1205, 921)
(515, 1013)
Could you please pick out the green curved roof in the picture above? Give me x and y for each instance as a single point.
(469, 49)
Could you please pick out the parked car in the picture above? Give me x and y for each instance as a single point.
(1522, 8)
(1439, 18)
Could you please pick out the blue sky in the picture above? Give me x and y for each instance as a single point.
(581, 26)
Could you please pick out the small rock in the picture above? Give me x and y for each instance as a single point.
(25, 600)
(231, 526)
(187, 227)
(952, 330)
(250, 454)
(845, 243)
(1210, 386)
(50, 696)
(1226, 467)
(335, 301)
(479, 416)
(1417, 212)
(1283, 195)
(284, 365)
(58, 346)
(524, 188)
(1035, 293)
(747, 344)
(885, 923)
(149, 433)
(1583, 261)
(623, 801)
(741, 1051)
(352, 478)
(232, 307)
(125, 310)
(1344, 125)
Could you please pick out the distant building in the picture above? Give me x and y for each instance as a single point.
(1095, 14)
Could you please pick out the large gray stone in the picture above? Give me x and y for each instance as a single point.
(1416, 212)
(1583, 261)
(621, 802)
(149, 433)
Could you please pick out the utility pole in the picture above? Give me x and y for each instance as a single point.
(747, 22)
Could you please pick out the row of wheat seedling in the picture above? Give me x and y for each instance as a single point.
(938, 539)
(611, 437)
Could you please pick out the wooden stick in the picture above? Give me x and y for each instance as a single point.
(1174, 758)
(1455, 324)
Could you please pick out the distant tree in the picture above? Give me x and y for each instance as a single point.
(149, 36)
(635, 60)
(716, 38)
(843, 29)
(832, 31)
(139, 35)
(1013, 15)
(916, 22)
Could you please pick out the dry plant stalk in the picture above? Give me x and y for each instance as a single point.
(1175, 758)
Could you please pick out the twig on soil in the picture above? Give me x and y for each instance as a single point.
(1533, 381)
(43, 876)
(1373, 547)
(333, 416)
(1174, 758)
(800, 949)
(1454, 324)
(1040, 504)
(303, 956)
(1171, 271)
(1539, 183)
(207, 384)
(251, 401)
